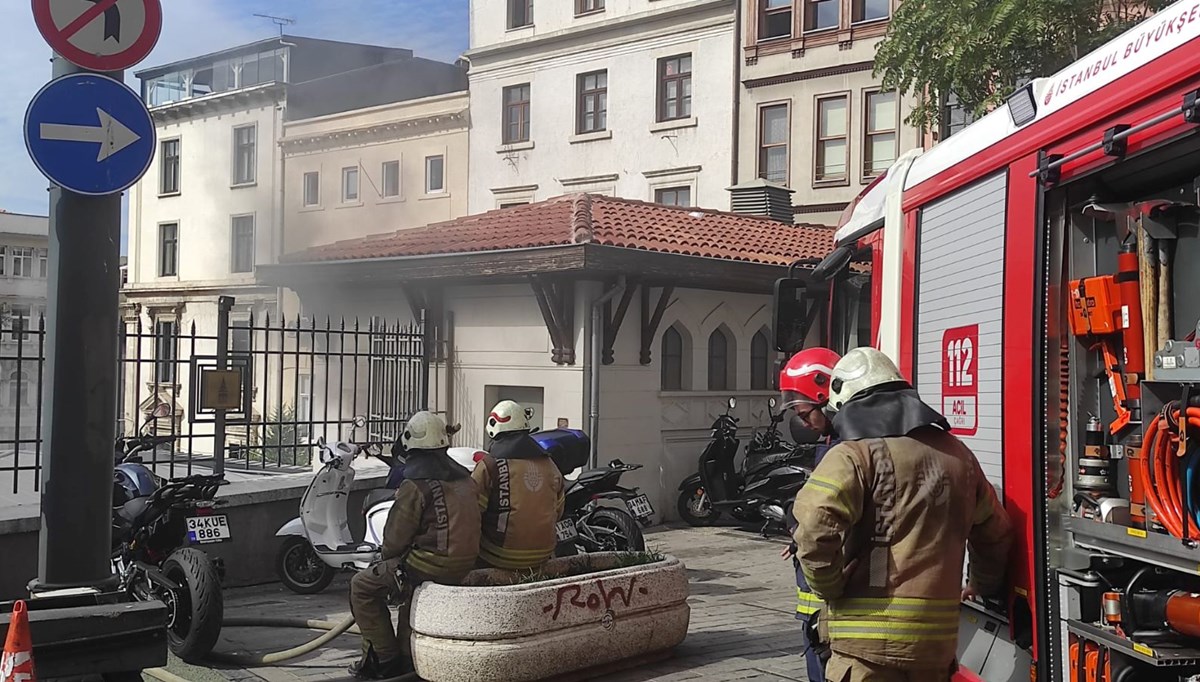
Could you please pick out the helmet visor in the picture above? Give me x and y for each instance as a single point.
(793, 399)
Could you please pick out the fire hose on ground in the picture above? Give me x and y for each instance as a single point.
(332, 631)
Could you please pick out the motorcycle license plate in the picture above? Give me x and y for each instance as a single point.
(640, 507)
(565, 530)
(203, 530)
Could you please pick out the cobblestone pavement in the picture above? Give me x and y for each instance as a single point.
(742, 626)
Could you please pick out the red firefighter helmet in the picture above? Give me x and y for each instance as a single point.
(804, 380)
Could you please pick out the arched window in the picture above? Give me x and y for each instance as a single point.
(760, 362)
(672, 360)
(718, 361)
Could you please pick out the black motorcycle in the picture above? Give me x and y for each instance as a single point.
(758, 491)
(585, 525)
(152, 552)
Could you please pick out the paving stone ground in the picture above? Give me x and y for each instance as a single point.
(742, 625)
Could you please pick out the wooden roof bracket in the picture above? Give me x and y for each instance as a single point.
(650, 322)
(556, 299)
(612, 322)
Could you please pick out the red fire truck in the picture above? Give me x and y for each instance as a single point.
(1037, 278)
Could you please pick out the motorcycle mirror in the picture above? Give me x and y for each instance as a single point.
(360, 422)
(321, 441)
(732, 403)
(772, 402)
(161, 410)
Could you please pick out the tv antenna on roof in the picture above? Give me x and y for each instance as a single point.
(278, 21)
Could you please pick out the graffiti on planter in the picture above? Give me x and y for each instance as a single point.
(597, 599)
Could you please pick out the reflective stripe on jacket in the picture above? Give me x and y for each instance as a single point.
(436, 523)
(521, 500)
(883, 527)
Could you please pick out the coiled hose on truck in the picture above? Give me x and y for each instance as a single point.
(332, 631)
(1170, 472)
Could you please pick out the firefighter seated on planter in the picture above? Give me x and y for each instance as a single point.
(520, 493)
(432, 533)
(883, 524)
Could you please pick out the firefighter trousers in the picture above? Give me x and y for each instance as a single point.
(370, 590)
(843, 668)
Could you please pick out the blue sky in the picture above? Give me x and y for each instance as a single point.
(193, 27)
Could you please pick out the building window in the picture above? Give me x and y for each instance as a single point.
(242, 247)
(592, 102)
(675, 87)
(245, 156)
(3, 260)
(773, 135)
(673, 196)
(18, 322)
(18, 390)
(312, 188)
(880, 145)
(514, 204)
(821, 14)
(169, 182)
(516, 113)
(520, 13)
(350, 184)
(760, 362)
(22, 259)
(43, 263)
(164, 351)
(588, 6)
(775, 19)
(832, 148)
(954, 117)
(672, 360)
(718, 361)
(435, 174)
(168, 250)
(304, 402)
(239, 336)
(870, 10)
(391, 179)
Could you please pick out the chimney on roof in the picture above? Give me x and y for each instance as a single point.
(762, 198)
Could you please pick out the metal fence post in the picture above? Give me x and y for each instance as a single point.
(426, 356)
(224, 305)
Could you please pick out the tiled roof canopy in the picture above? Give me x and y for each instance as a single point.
(592, 219)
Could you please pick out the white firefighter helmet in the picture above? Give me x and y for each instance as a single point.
(425, 431)
(508, 416)
(861, 370)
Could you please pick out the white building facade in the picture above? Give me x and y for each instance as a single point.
(629, 98)
(23, 272)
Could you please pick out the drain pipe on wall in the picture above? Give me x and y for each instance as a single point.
(597, 360)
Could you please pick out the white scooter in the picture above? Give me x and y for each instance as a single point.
(318, 543)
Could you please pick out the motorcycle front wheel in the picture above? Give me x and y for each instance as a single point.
(195, 610)
(695, 508)
(618, 531)
(300, 569)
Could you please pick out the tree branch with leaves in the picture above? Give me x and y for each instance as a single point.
(981, 51)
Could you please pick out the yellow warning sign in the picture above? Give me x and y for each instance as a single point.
(221, 389)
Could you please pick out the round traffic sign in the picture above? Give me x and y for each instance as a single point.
(90, 134)
(101, 35)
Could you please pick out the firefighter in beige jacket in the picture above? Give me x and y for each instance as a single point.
(521, 493)
(883, 524)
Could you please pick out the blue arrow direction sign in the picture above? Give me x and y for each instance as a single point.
(89, 134)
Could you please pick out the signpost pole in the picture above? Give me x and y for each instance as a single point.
(224, 305)
(80, 372)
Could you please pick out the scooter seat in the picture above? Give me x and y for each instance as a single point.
(346, 549)
(375, 497)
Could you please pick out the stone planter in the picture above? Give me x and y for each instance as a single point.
(598, 613)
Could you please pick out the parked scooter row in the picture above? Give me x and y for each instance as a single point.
(319, 543)
(155, 525)
(770, 475)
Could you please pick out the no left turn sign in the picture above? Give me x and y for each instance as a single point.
(101, 35)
